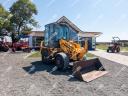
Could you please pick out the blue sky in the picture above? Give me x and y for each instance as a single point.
(107, 16)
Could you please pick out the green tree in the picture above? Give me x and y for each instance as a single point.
(4, 19)
(22, 19)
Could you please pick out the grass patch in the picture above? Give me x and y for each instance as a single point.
(36, 54)
(90, 55)
(124, 48)
(102, 46)
(105, 46)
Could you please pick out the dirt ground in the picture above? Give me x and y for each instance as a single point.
(29, 77)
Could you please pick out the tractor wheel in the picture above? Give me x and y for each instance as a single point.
(61, 61)
(108, 50)
(118, 50)
(5, 49)
(44, 55)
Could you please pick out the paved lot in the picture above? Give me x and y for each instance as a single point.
(29, 77)
(124, 53)
(116, 57)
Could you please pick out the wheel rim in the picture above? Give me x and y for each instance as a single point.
(59, 62)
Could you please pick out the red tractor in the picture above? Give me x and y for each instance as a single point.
(22, 44)
(114, 46)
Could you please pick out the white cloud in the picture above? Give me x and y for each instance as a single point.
(74, 2)
(107, 36)
(121, 18)
(118, 3)
(50, 3)
(78, 16)
(5, 2)
(96, 3)
(53, 18)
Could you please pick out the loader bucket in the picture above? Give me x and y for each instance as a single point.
(88, 70)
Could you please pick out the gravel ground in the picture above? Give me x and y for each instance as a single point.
(29, 77)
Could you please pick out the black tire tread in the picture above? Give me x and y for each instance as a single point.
(65, 60)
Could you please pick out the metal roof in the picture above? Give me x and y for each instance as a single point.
(67, 21)
(64, 20)
(37, 33)
(89, 34)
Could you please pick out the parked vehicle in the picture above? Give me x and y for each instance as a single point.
(114, 46)
(66, 53)
(3, 46)
(22, 44)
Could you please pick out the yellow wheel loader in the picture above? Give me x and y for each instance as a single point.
(60, 49)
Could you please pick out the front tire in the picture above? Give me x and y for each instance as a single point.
(44, 55)
(62, 61)
(108, 50)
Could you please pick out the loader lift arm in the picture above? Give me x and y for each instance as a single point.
(74, 50)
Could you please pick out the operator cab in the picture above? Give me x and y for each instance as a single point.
(54, 32)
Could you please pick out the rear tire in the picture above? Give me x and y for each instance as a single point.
(118, 50)
(5, 49)
(62, 61)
